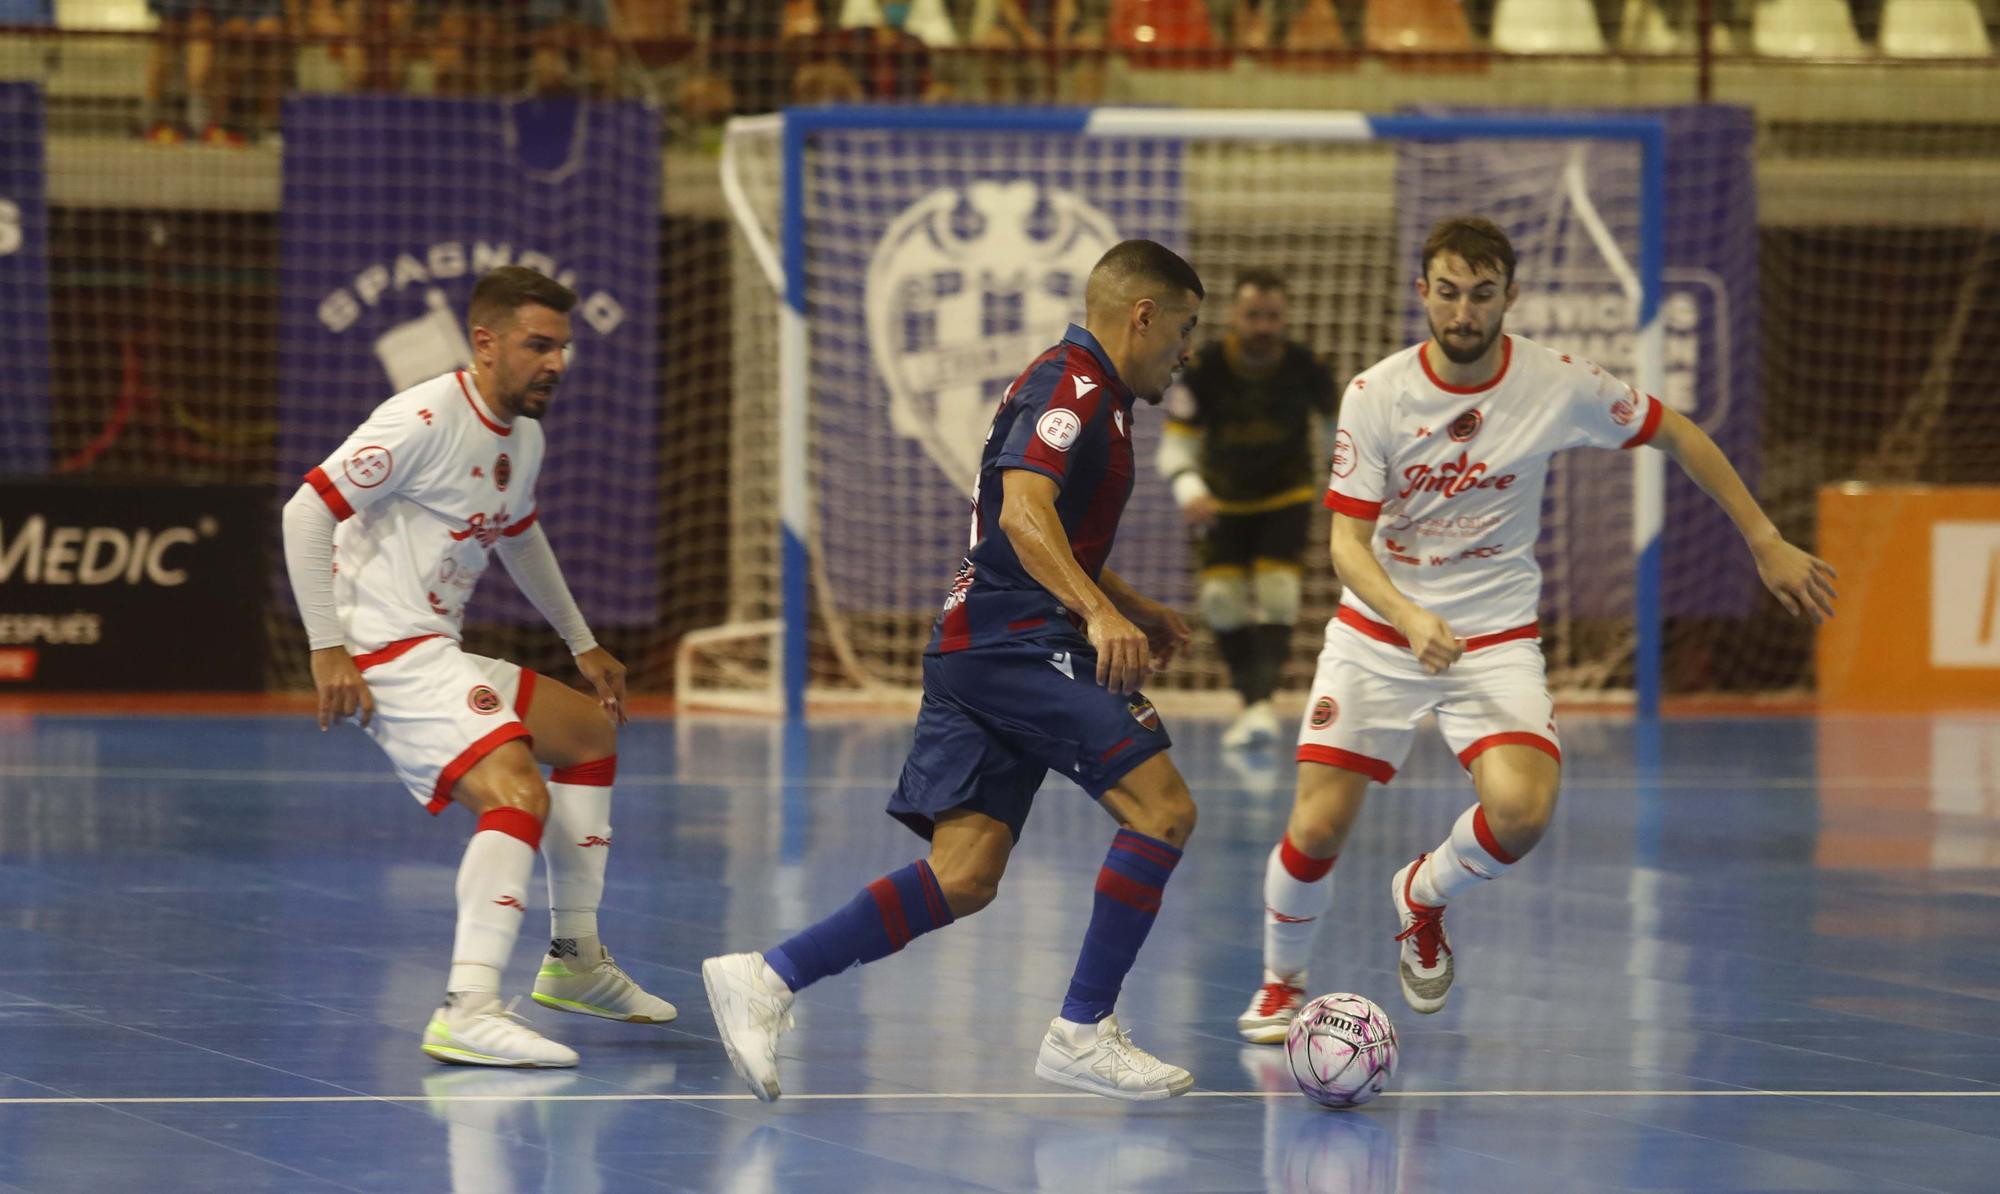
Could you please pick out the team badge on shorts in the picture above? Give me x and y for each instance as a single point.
(1325, 711)
(1143, 712)
(1465, 426)
(483, 699)
(503, 469)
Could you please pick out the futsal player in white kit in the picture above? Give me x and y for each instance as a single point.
(1436, 490)
(384, 543)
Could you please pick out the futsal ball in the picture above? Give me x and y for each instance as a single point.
(1342, 1049)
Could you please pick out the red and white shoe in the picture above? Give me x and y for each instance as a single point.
(1425, 965)
(1272, 1009)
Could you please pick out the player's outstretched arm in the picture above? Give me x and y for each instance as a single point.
(1166, 631)
(308, 530)
(1802, 582)
(1033, 528)
(1431, 637)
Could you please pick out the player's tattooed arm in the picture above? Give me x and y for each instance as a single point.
(1801, 581)
(1033, 528)
(1166, 631)
(1431, 637)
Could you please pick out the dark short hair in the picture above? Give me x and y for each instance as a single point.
(1478, 241)
(506, 290)
(1260, 279)
(1145, 265)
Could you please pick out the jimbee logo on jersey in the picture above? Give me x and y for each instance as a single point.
(1142, 711)
(1325, 712)
(967, 285)
(483, 699)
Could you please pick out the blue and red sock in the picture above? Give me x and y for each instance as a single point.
(1128, 899)
(889, 913)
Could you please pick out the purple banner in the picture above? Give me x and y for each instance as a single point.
(1572, 210)
(24, 284)
(394, 207)
(940, 267)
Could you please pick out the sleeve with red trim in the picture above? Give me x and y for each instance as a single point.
(379, 458)
(1058, 408)
(1607, 413)
(1358, 474)
(309, 531)
(532, 563)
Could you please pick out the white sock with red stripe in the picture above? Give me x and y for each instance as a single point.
(492, 897)
(577, 847)
(1297, 890)
(1470, 855)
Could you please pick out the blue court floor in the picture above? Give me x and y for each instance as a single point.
(1753, 955)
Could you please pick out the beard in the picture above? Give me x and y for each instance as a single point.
(1460, 355)
(534, 402)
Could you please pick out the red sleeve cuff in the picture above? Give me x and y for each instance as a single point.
(522, 526)
(1647, 427)
(1340, 503)
(330, 494)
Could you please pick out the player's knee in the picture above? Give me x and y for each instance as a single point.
(1518, 818)
(508, 781)
(1169, 814)
(1277, 595)
(967, 887)
(1225, 602)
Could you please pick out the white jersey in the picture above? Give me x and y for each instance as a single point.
(1453, 475)
(423, 491)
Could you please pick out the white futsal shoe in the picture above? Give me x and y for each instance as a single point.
(1101, 1058)
(489, 1033)
(1256, 726)
(1272, 1009)
(599, 988)
(1425, 966)
(752, 1008)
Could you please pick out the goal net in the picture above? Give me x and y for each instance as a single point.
(923, 257)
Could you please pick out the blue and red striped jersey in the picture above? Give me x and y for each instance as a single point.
(1068, 417)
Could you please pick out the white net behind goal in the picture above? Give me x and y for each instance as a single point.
(938, 264)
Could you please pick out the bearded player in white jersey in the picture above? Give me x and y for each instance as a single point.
(384, 543)
(1436, 489)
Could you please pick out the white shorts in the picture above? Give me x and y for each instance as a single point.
(438, 711)
(1369, 692)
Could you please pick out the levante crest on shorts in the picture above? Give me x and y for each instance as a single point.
(967, 286)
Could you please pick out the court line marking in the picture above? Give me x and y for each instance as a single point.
(1689, 780)
(970, 1096)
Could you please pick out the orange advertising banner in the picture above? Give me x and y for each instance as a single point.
(1917, 626)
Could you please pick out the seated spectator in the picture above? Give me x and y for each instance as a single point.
(574, 50)
(232, 65)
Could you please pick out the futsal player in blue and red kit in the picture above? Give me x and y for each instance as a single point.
(1034, 665)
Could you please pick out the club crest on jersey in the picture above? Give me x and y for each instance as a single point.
(368, 467)
(1325, 712)
(483, 699)
(503, 470)
(967, 285)
(1465, 426)
(1142, 711)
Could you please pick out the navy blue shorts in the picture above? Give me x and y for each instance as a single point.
(996, 720)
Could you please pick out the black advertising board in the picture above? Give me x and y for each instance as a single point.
(132, 586)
